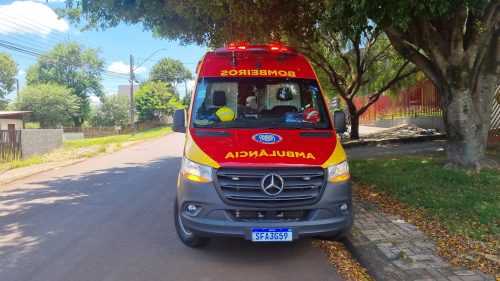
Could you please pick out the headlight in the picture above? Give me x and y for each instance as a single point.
(196, 172)
(339, 172)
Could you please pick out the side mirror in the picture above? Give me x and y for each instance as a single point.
(179, 124)
(339, 122)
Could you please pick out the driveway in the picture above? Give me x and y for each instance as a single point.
(110, 218)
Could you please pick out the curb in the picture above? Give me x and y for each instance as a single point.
(358, 143)
(377, 240)
(368, 258)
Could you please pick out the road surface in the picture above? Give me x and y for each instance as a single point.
(110, 218)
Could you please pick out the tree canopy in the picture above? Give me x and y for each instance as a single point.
(74, 66)
(113, 111)
(52, 104)
(171, 71)
(156, 99)
(8, 72)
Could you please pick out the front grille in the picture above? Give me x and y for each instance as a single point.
(285, 215)
(243, 186)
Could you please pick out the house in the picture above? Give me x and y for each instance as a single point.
(13, 120)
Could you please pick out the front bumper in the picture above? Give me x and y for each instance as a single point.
(214, 217)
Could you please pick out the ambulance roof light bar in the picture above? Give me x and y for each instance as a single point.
(242, 46)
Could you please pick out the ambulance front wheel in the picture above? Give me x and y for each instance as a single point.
(187, 237)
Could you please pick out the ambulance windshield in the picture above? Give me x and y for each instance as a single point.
(267, 103)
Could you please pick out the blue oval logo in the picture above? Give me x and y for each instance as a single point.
(267, 138)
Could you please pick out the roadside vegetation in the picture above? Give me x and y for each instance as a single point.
(86, 148)
(457, 208)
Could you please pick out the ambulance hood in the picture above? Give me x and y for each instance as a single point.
(261, 148)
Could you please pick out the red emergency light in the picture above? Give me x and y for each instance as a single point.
(243, 46)
(278, 47)
(237, 46)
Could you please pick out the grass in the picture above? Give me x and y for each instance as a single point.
(86, 148)
(118, 140)
(465, 202)
(37, 159)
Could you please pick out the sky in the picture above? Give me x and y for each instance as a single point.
(34, 26)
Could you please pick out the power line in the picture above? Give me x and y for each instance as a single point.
(62, 61)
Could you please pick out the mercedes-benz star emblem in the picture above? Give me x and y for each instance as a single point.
(272, 184)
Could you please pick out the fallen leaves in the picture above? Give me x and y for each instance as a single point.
(457, 249)
(344, 263)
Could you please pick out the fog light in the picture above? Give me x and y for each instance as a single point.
(344, 207)
(192, 208)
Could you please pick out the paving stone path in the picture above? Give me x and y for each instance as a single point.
(393, 249)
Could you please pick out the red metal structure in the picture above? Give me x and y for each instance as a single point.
(419, 99)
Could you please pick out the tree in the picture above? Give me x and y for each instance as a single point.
(186, 100)
(456, 45)
(360, 63)
(52, 104)
(74, 66)
(170, 71)
(8, 72)
(113, 111)
(156, 99)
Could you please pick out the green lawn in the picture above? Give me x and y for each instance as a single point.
(467, 203)
(143, 135)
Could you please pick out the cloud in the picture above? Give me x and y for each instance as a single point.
(120, 67)
(27, 17)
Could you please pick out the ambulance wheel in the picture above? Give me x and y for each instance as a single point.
(187, 237)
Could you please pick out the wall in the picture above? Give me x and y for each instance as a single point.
(40, 141)
(426, 122)
(4, 123)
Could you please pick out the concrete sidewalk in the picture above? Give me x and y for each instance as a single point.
(393, 249)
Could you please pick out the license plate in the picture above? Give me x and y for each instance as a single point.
(271, 234)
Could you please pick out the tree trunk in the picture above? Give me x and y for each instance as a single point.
(354, 118)
(354, 127)
(78, 121)
(467, 116)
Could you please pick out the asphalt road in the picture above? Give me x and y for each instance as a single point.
(110, 218)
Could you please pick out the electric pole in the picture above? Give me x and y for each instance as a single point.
(132, 100)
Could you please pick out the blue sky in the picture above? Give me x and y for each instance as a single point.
(33, 26)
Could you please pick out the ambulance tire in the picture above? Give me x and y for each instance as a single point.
(187, 237)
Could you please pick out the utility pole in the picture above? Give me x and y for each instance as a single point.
(132, 78)
(132, 100)
(17, 88)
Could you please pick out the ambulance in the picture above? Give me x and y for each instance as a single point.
(262, 160)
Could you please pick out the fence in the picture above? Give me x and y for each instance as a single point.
(10, 145)
(96, 132)
(93, 132)
(494, 134)
(142, 125)
(419, 99)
